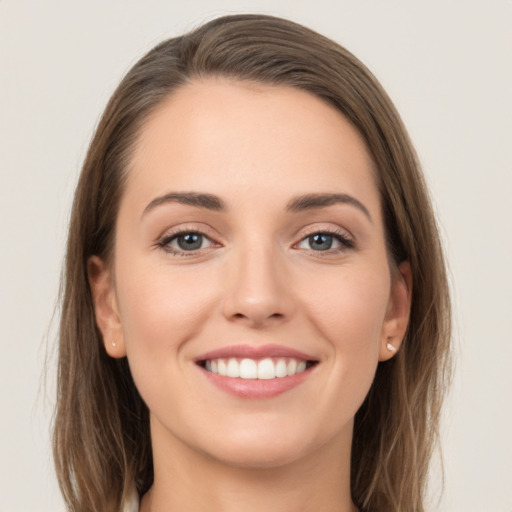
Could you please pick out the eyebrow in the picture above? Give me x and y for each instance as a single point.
(296, 204)
(312, 201)
(207, 201)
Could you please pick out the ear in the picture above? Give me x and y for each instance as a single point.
(397, 313)
(105, 306)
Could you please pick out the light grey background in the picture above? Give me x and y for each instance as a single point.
(448, 67)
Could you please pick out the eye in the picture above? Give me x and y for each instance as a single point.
(320, 241)
(326, 241)
(185, 241)
(190, 241)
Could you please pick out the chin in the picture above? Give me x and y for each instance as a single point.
(257, 455)
(265, 448)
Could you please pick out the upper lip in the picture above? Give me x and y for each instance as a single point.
(254, 352)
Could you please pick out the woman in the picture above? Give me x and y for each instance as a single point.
(255, 310)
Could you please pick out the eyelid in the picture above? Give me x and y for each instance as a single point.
(163, 240)
(326, 228)
(343, 236)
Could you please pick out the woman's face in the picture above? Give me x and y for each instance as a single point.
(250, 240)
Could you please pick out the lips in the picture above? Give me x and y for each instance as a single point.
(256, 372)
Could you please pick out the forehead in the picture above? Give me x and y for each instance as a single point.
(219, 135)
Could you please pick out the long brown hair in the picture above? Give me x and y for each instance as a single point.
(101, 433)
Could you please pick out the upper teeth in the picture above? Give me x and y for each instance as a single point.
(251, 369)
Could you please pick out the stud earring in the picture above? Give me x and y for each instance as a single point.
(114, 344)
(390, 347)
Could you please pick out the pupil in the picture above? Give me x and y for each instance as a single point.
(189, 242)
(320, 242)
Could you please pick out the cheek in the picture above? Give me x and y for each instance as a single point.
(345, 309)
(350, 308)
(350, 317)
(160, 310)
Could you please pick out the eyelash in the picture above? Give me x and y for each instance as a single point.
(340, 236)
(164, 242)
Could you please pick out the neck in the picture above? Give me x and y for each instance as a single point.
(186, 479)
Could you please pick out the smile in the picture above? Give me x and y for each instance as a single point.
(264, 369)
(256, 372)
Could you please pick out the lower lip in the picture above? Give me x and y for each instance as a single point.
(256, 388)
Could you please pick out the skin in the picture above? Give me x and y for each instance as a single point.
(256, 280)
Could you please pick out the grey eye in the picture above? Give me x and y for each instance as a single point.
(320, 241)
(324, 241)
(190, 241)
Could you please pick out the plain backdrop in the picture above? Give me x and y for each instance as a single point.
(448, 67)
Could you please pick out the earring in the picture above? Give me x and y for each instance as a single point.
(390, 347)
(114, 344)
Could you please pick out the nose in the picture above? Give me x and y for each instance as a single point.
(258, 288)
